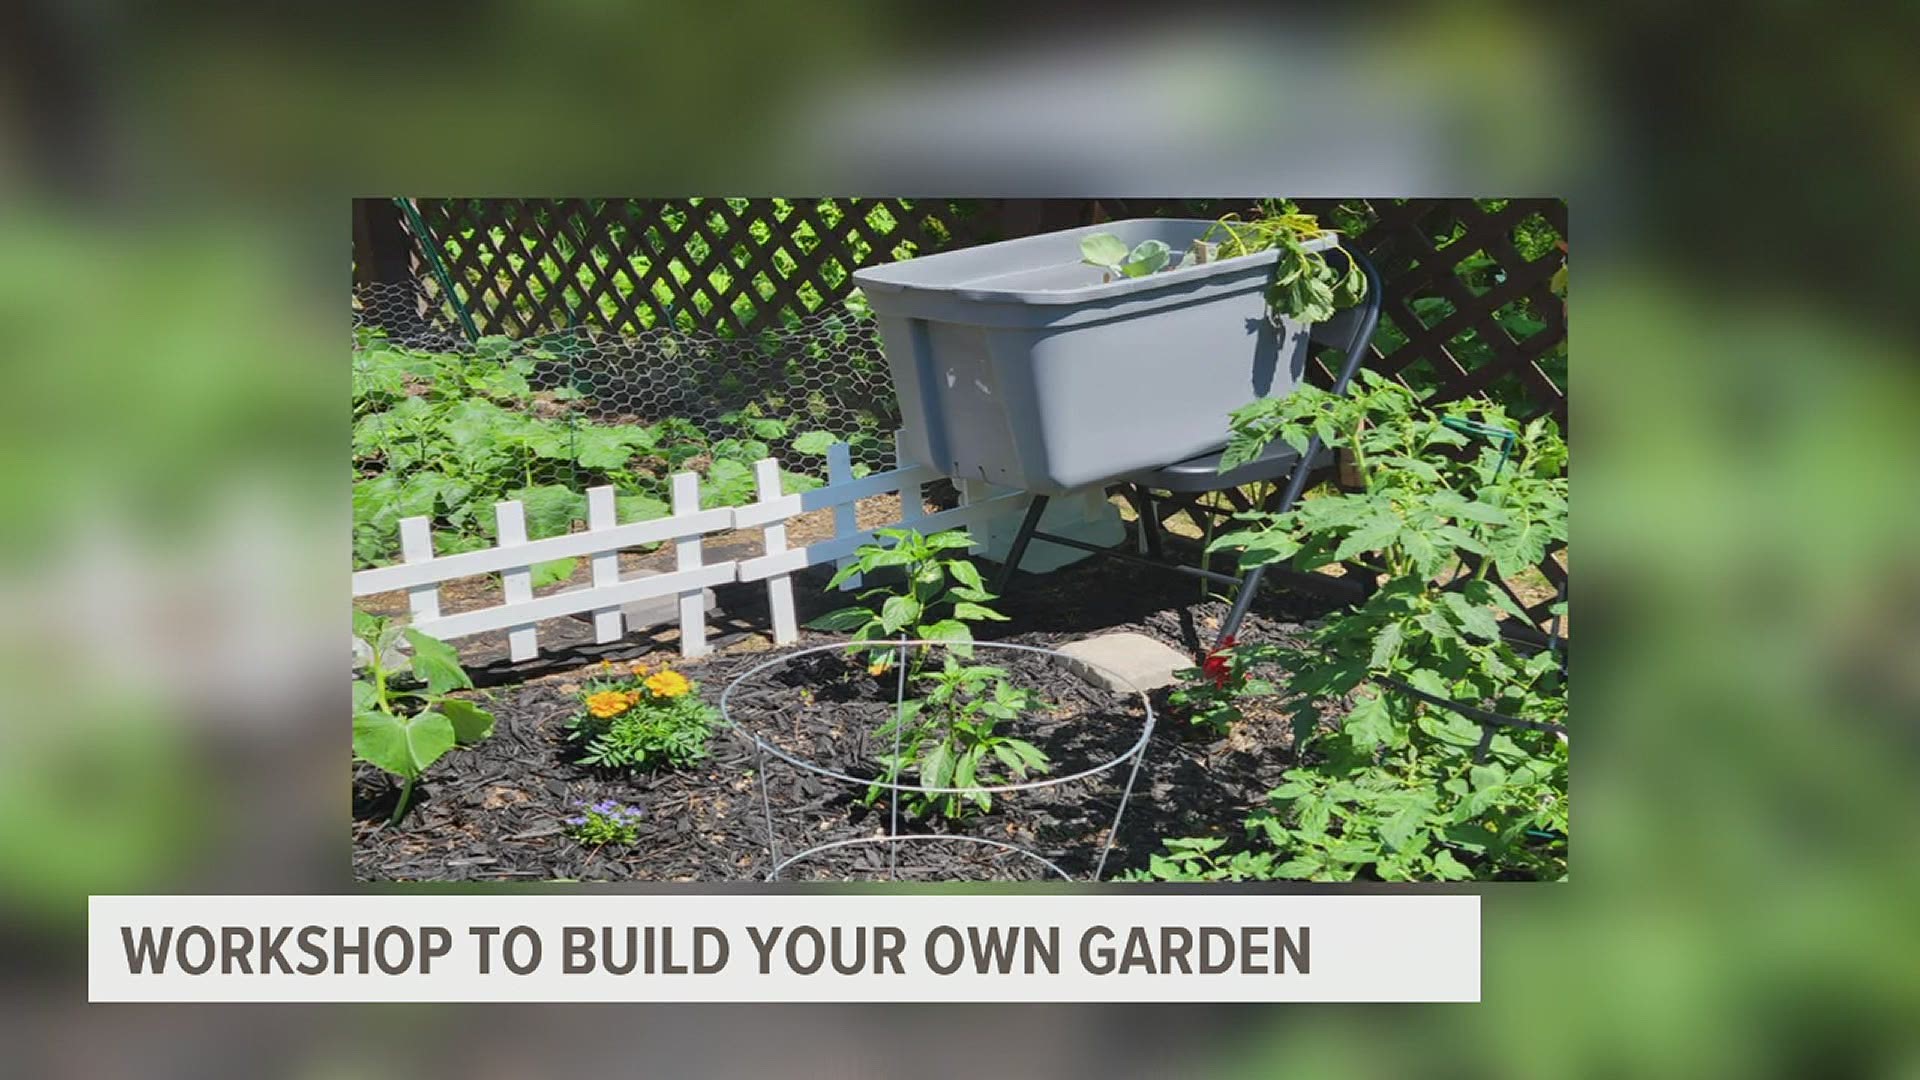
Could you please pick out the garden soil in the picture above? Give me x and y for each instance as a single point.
(495, 812)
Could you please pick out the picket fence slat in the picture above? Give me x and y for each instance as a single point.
(786, 626)
(686, 558)
(608, 624)
(523, 642)
(421, 573)
(567, 603)
(412, 574)
(416, 547)
(845, 523)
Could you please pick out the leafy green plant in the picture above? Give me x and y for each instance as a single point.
(1395, 781)
(604, 822)
(948, 737)
(447, 435)
(1307, 287)
(1109, 253)
(940, 593)
(643, 720)
(1430, 810)
(1198, 858)
(401, 730)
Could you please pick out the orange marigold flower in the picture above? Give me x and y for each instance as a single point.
(668, 683)
(607, 703)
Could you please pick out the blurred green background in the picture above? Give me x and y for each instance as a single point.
(173, 272)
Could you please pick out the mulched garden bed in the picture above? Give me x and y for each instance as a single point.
(495, 812)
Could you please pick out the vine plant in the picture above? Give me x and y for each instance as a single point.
(398, 725)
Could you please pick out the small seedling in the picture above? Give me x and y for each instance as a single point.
(1109, 253)
(404, 731)
(1198, 858)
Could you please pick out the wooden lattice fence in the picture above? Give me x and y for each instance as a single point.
(1468, 308)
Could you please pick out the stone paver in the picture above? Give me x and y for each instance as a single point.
(1145, 663)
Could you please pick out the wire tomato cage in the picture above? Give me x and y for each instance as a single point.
(893, 841)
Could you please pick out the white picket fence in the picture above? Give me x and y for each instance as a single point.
(421, 573)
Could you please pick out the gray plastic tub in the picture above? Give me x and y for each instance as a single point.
(1017, 365)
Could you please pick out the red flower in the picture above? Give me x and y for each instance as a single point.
(1217, 665)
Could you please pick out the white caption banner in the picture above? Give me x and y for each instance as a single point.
(848, 948)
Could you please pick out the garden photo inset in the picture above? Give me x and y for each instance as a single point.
(960, 540)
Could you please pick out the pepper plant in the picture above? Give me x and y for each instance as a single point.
(939, 594)
(949, 737)
(398, 725)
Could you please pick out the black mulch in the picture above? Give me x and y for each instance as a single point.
(495, 812)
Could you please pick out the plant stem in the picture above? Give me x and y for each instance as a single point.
(400, 808)
(1360, 458)
(379, 676)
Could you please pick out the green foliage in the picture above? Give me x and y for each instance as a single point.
(404, 731)
(447, 435)
(1392, 786)
(1424, 808)
(947, 736)
(1195, 859)
(949, 739)
(1209, 695)
(639, 722)
(940, 594)
(1431, 500)
(1307, 287)
(1109, 253)
(604, 822)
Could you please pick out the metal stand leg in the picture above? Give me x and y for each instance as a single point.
(1249, 587)
(1148, 515)
(1028, 526)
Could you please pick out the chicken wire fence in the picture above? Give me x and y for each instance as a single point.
(444, 426)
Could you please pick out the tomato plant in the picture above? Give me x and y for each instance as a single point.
(1400, 776)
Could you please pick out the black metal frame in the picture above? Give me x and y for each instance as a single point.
(1139, 488)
